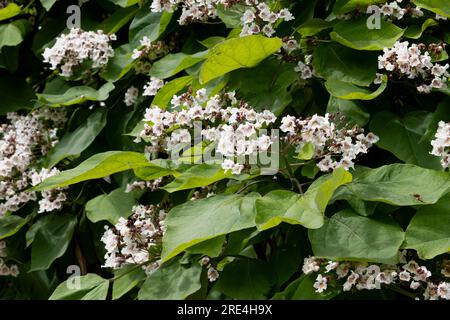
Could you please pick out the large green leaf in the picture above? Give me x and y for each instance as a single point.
(333, 61)
(211, 248)
(402, 137)
(344, 6)
(97, 166)
(13, 33)
(92, 287)
(173, 63)
(111, 206)
(117, 20)
(16, 94)
(119, 65)
(171, 282)
(127, 278)
(415, 32)
(440, 7)
(429, 230)
(195, 221)
(349, 236)
(11, 10)
(51, 240)
(354, 111)
(271, 90)
(230, 15)
(440, 114)
(76, 95)
(314, 26)
(232, 54)
(165, 94)
(197, 176)
(10, 225)
(348, 91)
(355, 34)
(149, 24)
(75, 142)
(248, 279)
(398, 184)
(308, 209)
(158, 168)
(303, 289)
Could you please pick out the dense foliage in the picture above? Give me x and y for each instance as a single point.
(224, 149)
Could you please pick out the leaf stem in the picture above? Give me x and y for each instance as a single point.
(403, 292)
(294, 180)
(128, 271)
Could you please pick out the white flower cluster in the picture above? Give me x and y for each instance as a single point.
(290, 44)
(152, 87)
(232, 126)
(362, 276)
(136, 240)
(150, 50)
(6, 270)
(143, 185)
(78, 46)
(328, 141)
(23, 141)
(257, 18)
(260, 19)
(51, 199)
(131, 96)
(393, 10)
(212, 273)
(441, 143)
(147, 53)
(305, 68)
(410, 61)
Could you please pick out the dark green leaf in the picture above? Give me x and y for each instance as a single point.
(196, 221)
(171, 282)
(92, 287)
(75, 142)
(51, 240)
(349, 236)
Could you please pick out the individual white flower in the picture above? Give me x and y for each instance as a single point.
(443, 290)
(201, 95)
(310, 265)
(414, 285)
(331, 266)
(145, 41)
(285, 14)
(131, 96)
(321, 283)
(248, 16)
(378, 78)
(268, 30)
(445, 271)
(351, 281)
(404, 276)
(228, 165)
(422, 273)
(152, 87)
(213, 274)
(288, 124)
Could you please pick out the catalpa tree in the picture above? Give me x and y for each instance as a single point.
(224, 149)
